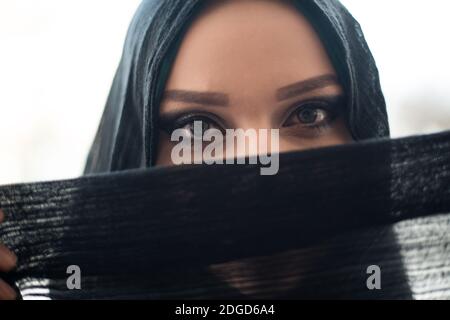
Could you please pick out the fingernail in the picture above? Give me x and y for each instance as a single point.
(6, 291)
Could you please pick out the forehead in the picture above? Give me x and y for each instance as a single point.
(248, 46)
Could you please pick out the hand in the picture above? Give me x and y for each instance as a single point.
(8, 262)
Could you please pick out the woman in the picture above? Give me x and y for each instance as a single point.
(302, 67)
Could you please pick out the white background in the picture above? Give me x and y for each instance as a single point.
(58, 58)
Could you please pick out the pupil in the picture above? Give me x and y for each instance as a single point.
(307, 116)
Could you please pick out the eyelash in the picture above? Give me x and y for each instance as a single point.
(172, 122)
(332, 106)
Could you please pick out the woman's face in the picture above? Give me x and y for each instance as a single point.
(254, 64)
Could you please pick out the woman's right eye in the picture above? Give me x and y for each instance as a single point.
(194, 126)
(195, 129)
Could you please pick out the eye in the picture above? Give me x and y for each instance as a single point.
(196, 128)
(195, 125)
(313, 114)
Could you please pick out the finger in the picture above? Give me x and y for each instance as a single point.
(8, 259)
(6, 292)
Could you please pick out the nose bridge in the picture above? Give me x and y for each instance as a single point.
(252, 141)
(252, 115)
(253, 121)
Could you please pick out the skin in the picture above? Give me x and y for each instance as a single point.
(7, 263)
(244, 51)
(258, 57)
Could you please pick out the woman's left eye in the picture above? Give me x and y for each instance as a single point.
(313, 114)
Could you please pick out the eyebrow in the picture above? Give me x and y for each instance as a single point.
(203, 98)
(222, 100)
(305, 86)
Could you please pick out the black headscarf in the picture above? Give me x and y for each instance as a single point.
(128, 133)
